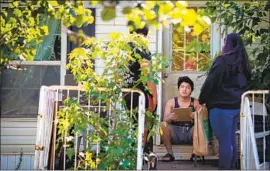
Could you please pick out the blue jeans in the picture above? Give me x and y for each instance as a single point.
(224, 124)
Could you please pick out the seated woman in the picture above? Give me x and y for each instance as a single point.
(173, 130)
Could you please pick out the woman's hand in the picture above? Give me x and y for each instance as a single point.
(198, 107)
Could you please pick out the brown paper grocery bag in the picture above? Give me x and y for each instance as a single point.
(204, 143)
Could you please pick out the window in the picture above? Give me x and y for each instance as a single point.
(190, 53)
(20, 88)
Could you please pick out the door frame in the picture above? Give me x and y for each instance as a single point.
(216, 44)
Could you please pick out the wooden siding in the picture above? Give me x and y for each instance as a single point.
(10, 161)
(17, 134)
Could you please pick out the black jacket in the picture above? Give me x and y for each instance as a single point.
(223, 86)
(134, 74)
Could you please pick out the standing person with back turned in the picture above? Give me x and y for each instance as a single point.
(221, 92)
(132, 78)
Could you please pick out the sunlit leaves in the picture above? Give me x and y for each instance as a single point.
(247, 19)
(45, 30)
(158, 14)
(21, 24)
(53, 3)
(189, 17)
(165, 8)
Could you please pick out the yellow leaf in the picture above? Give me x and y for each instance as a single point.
(197, 29)
(150, 4)
(53, 3)
(161, 131)
(165, 8)
(149, 14)
(176, 14)
(181, 4)
(189, 18)
(91, 20)
(80, 10)
(15, 3)
(94, 3)
(45, 30)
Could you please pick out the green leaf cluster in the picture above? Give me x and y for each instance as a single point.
(22, 28)
(251, 21)
(155, 13)
(117, 134)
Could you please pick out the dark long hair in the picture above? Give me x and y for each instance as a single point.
(234, 45)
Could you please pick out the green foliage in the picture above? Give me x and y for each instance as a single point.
(21, 28)
(118, 146)
(155, 13)
(250, 20)
(74, 120)
(116, 54)
(117, 135)
(23, 31)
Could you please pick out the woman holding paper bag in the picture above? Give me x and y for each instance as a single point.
(221, 92)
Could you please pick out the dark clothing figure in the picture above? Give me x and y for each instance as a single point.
(135, 70)
(132, 78)
(221, 92)
(224, 85)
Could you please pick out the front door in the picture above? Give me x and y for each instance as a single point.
(190, 56)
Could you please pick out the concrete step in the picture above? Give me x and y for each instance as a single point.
(181, 152)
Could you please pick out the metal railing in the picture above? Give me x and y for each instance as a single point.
(254, 126)
(45, 155)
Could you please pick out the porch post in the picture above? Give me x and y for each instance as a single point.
(63, 55)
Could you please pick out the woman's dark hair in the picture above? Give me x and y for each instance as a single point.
(186, 80)
(234, 45)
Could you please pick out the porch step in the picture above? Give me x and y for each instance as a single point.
(181, 152)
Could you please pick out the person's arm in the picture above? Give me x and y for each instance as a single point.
(197, 105)
(169, 115)
(214, 79)
(151, 85)
(168, 110)
(153, 89)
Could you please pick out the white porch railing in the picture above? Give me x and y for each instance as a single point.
(249, 132)
(47, 124)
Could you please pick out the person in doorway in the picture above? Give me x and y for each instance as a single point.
(150, 92)
(221, 93)
(174, 131)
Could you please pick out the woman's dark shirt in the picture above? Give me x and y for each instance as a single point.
(224, 85)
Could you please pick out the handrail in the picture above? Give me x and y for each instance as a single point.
(249, 152)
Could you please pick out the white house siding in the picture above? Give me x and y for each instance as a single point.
(17, 134)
